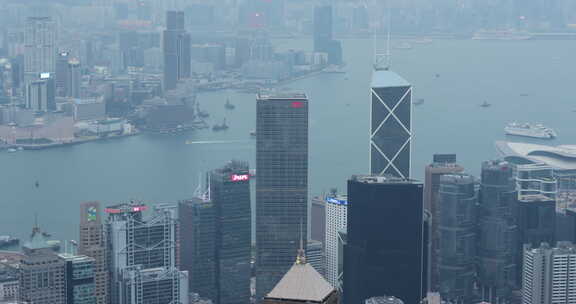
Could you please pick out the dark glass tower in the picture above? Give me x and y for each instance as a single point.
(230, 194)
(282, 185)
(322, 28)
(384, 250)
(177, 58)
(197, 245)
(497, 231)
(391, 124)
(456, 216)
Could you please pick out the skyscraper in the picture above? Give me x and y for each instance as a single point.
(142, 255)
(441, 164)
(92, 244)
(197, 219)
(336, 219)
(230, 194)
(79, 278)
(315, 256)
(391, 124)
(384, 251)
(456, 220)
(177, 58)
(536, 224)
(40, 46)
(61, 75)
(549, 274)
(323, 34)
(282, 185)
(42, 272)
(40, 95)
(497, 231)
(73, 81)
(318, 219)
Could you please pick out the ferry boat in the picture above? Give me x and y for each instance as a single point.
(221, 127)
(528, 130)
(501, 35)
(228, 105)
(419, 101)
(485, 104)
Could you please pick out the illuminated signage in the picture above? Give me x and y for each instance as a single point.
(297, 104)
(239, 177)
(44, 75)
(132, 209)
(91, 213)
(335, 201)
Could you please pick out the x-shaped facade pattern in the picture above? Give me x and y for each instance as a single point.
(391, 134)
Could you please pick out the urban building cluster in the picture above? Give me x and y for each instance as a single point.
(505, 237)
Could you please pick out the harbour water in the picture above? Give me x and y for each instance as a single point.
(453, 76)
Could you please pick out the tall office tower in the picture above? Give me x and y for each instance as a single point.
(342, 242)
(74, 79)
(42, 272)
(391, 124)
(323, 28)
(441, 164)
(176, 45)
(197, 218)
(336, 219)
(323, 34)
(384, 251)
(536, 224)
(456, 211)
(497, 231)
(230, 194)
(302, 284)
(315, 256)
(318, 219)
(61, 75)
(282, 184)
(138, 247)
(40, 46)
(40, 95)
(164, 285)
(93, 244)
(536, 179)
(79, 278)
(549, 274)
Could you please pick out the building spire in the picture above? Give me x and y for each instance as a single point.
(301, 258)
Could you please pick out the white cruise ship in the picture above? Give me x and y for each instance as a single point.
(528, 130)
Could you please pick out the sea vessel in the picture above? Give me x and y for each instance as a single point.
(529, 130)
(12, 150)
(403, 46)
(334, 69)
(220, 127)
(485, 104)
(253, 133)
(228, 105)
(418, 101)
(8, 241)
(201, 113)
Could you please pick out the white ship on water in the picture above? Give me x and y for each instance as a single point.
(528, 130)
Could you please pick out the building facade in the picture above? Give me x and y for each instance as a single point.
(318, 219)
(230, 194)
(176, 47)
(197, 218)
(457, 199)
(138, 246)
(154, 285)
(42, 273)
(336, 220)
(282, 185)
(315, 256)
(92, 244)
(390, 124)
(79, 277)
(378, 208)
(497, 231)
(441, 164)
(40, 95)
(40, 38)
(549, 274)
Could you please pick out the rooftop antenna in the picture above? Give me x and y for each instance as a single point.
(301, 258)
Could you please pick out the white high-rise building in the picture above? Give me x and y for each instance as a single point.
(336, 220)
(40, 46)
(549, 274)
